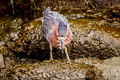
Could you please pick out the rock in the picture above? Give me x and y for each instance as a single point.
(49, 71)
(95, 69)
(84, 43)
(110, 68)
(76, 16)
(22, 59)
(2, 65)
(14, 36)
(115, 10)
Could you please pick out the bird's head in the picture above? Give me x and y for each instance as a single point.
(62, 31)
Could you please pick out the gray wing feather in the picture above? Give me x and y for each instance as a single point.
(50, 18)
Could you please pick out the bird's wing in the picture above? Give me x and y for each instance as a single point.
(48, 21)
(51, 18)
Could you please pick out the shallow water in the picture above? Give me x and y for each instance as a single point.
(98, 24)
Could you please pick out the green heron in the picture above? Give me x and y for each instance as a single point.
(57, 31)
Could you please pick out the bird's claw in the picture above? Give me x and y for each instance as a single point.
(69, 62)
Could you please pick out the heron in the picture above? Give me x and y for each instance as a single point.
(57, 31)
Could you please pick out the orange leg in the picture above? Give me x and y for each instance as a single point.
(51, 54)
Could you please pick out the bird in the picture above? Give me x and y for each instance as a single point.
(57, 31)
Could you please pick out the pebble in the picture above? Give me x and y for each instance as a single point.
(23, 59)
(76, 16)
(39, 71)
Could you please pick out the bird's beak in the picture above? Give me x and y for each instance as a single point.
(62, 45)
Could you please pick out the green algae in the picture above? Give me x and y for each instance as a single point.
(33, 24)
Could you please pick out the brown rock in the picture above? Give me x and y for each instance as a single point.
(2, 65)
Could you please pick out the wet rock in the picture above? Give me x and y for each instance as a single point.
(95, 39)
(95, 74)
(76, 16)
(84, 43)
(49, 71)
(116, 24)
(98, 14)
(115, 11)
(23, 59)
(102, 22)
(14, 36)
(15, 24)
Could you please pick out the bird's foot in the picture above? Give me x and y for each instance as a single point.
(69, 62)
(51, 61)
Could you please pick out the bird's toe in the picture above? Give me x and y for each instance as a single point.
(51, 61)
